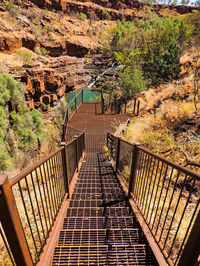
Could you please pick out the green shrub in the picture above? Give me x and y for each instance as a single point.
(152, 45)
(20, 128)
(132, 81)
(25, 57)
(40, 51)
(12, 9)
(51, 28)
(43, 51)
(106, 15)
(81, 16)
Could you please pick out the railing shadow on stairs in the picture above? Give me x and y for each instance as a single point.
(167, 197)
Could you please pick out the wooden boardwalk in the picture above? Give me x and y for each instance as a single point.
(100, 227)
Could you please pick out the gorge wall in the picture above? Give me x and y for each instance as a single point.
(58, 42)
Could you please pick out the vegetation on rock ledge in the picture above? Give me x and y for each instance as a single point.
(20, 128)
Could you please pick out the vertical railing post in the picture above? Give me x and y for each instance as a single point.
(11, 224)
(133, 168)
(138, 107)
(64, 132)
(118, 153)
(134, 105)
(64, 164)
(191, 250)
(77, 153)
(102, 103)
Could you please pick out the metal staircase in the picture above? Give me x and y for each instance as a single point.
(100, 227)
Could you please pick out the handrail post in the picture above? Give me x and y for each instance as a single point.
(133, 168)
(67, 115)
(64, 164)
(102, 103)
(118, 152)
(138, 107)
(134, 105)
(83, 141)
(77, 153)
(64, 132)
(191, 250)
(11, 224)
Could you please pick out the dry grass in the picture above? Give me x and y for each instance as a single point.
(41, 197)
(168, 131)
(172, 128)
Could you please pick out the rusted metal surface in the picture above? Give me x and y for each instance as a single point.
(95, 126)
(37, 194)
(117, 106)
(99, 228)
(71, 133)
(167, 196)
(192, 248)
(28, 170)
(11, 224)
(5, 248)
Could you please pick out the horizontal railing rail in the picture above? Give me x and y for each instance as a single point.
(30, 201)
(71, 133)
(167, 196)
(117, 106)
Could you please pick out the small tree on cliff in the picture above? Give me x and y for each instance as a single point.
(20, 128)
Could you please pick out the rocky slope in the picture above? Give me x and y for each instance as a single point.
(60, 46)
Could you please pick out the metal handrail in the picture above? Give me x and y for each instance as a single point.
(28, 170)
(170, 163)
(41, 189)
(166, 195)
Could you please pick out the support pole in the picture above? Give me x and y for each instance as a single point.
(191, 250)
(12, 226)
(133, 168)
(64, 164)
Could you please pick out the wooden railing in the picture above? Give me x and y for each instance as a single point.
(30, 202)
(167, 196)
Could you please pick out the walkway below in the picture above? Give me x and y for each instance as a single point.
(100, 227)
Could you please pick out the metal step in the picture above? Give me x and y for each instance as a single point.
(99, 237)
(73, 223)
(84, 203)
(99, 212)
(101, 255)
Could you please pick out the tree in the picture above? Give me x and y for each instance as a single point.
(20, 128)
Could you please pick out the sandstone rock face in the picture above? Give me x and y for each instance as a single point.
(50, 4)
(9, 44)
(46, 86)
(96, 12)
(64, 68)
